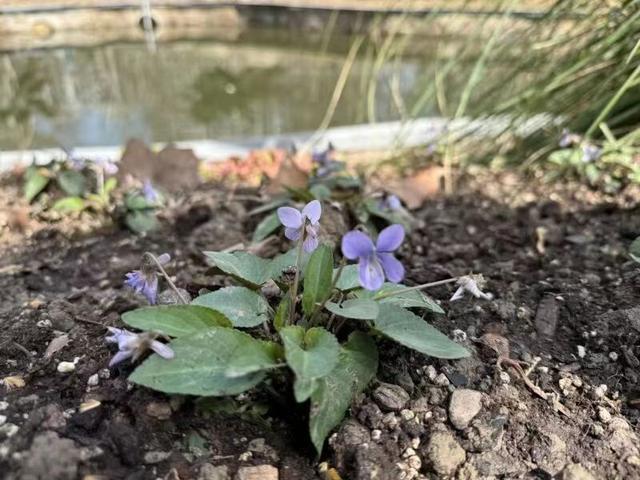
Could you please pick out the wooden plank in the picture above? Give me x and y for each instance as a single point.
(529, 6)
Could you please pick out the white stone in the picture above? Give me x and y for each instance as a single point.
(66, 367)
(3, 419)
(4, 405)
(582, 351)
(93, 380)
(376, 434)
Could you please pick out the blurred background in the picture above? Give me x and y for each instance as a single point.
(479, 81)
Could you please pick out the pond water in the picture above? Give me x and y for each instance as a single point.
(261, 83)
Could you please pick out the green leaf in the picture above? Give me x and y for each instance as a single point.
(412, 331)
(360, 309)
(387, 215)
(175, 320)
(266, 227)
(201, 364)
(35, 182)
(349, 278)
(634, 250)
(141, 221)
(245, 308)
(410, 299)
(320, 192)
(282, 313)
(357, 365)
(317, 278)
(72, 183)
(110, 185)
(311, 355)
(252, 269)
(69, 204)
(136, 201)
(250, 358)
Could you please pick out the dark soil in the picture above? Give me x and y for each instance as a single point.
(575, 288)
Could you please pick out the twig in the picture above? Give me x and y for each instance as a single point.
(166, 276)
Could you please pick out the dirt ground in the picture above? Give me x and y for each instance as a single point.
(566, 298)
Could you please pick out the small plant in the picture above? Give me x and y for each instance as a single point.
(611, 164)
(330, 181)
(319, 333)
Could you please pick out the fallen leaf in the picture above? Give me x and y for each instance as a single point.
(56, 345)
(290, 176)
(413, 190)
(13, 382)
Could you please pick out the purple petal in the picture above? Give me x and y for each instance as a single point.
(163, 350)
(313, 211)
(310, 243)
(290, 217)
(164, 259)
(120, 356)
(150, 289)
(390, 238)
(356, 244)
(371, 273)
(393, 268)
(292, 233)
(135, 280)
(394, 203)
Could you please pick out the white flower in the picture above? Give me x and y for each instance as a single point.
(133, 345)
(471, 284)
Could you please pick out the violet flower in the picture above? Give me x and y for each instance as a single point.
(145, 280)
(375, 262)
(471, 284)
(150, 194)
(109, 167)
(133, 345)
(390, 202)
(568, 139)
(326, 163)
(590, 153)
(298, 223)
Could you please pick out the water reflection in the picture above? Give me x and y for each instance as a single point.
(199, 90)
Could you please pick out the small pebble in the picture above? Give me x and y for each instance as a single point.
(441, 380)
(415, 442)
(505, 379)
(4, 405)
(93, 380)
(66, 367)
(414, 462)
(431, 372)
(598, 430)
(600, 391)
(582, 351)
(613, 356)
(407, 414)
(604, 415)
(104, 374)
(245, 457)
(376, 434)
(9, 429)
(3, 419)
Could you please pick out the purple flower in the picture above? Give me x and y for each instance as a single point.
(302, 223)
(145, 280)
(590, 153)
(151, 195)
(133, 345)
(326, 163)
(568, 139)
(109, 167)
(375, 262)
(390, 202)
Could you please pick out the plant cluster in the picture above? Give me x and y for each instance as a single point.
(74, 185)
(611, 164)
(329, 181)
(319, 331)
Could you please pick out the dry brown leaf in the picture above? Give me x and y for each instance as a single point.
(290, 176)
(413, 190)
(13, 382)
(56, 345)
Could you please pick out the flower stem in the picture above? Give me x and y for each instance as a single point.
(318, 308)
(153, 258)
(296, 280)
(417, 287)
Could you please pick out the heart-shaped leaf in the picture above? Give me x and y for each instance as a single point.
(311, 355)
(175, 320)
(360, 309)
(202, 362)
(406, 299)
(412, 331)
(69, 204)
(72, 183)
(349, 278)
(245, 308)
(266, 227)
(35, 182)
(356, 367)
(317, 278)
